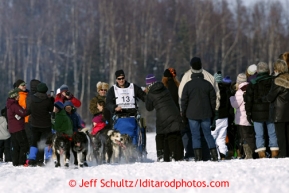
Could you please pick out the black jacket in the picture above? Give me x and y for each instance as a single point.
(278, 97)
(198, 98)
(168, 116)
(41, 107)
(110, 98)
(259, 87)
(225, 105)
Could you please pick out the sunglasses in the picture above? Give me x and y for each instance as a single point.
(120, 78)
(103, 90)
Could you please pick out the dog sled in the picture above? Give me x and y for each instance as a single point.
(133, 131)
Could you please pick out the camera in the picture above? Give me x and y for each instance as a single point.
(67, 93)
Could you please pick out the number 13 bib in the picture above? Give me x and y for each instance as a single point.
(125, 97)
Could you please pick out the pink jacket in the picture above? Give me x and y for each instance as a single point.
(238, 103)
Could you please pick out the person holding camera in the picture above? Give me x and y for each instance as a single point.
(66, 95)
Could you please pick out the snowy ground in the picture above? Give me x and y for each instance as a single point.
(266, 175)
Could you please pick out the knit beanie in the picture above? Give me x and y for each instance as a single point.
(68, 103)
(241, 78)
(59, 105)
(150, 79)
(18, 83)
(119, 73)
(196, 65)
(252, 69)
(227, 79)
(63, 87)
(42, 88)
(218, 77)
(262, 67)
(13, 93)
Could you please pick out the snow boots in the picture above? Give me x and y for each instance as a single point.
(261, 152)
(214, 154)
(198, 155)
(160, 155)
(274, 152)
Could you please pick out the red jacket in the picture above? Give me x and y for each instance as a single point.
(13, 109)
(61, 98)
(97, 128)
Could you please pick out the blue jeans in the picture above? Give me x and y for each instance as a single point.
(259, 130)
(204, 124)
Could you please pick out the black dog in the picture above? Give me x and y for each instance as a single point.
(61, 146)
(101, 146)
(81, 146)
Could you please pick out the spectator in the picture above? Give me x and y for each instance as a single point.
(40, 120)
(23, 93)
(198, 103)
(168, 121)
(246, 130)
(278, 97)
(101, 88)
(220, 132)
(5, 140)
(65, 95)
(15, 115)
(258, 111)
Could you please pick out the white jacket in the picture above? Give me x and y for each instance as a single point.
(4, 133)
(207, 76)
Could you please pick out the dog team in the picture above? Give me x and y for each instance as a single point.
(44, 127)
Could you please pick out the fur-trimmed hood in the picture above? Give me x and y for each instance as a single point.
(282, 80)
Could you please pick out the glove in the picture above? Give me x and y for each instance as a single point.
(250, 120)
(185, 120)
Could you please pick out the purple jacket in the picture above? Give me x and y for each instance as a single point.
(238, 103)
(13, 109)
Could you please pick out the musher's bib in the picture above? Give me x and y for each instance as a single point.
(125, 96)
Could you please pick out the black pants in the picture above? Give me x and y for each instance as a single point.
(28, 133)
(20, 147)
(247, 136)
(5, 147)
(39, 136)
(187, 142)
(171, 144)
(282, 133)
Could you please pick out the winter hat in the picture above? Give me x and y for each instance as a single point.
(167, 73)
(18, 83)
(68, 103)
(262, 67)
(252, 69)
(218, 77)
(119, 73)
(101, 85)
(241, 78)
(13, 93)
(63, 87)
(196, 65)
(42, 88)
(33, 85)
(59, 105)
(98, 119)
(150, 79)
(227, 79)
